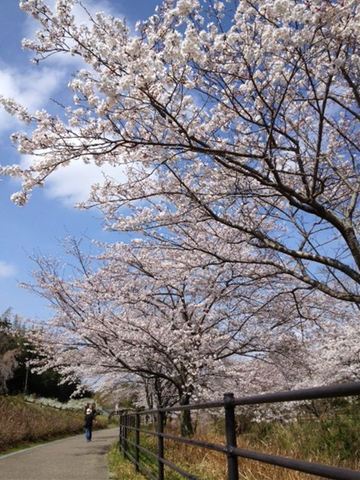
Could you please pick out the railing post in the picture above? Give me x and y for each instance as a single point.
(137, 441)
(230, 430)
(160, 452)
(120, 431)
(126, 423)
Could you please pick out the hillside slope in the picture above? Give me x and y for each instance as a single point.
(22, 422)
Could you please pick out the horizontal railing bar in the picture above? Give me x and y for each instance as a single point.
(178, 469)
(141, 430)
(327, 471)
(144, 449)
(164, 461)
(196, 406)
(342, 390)
(317, 393)
(195, 443)
(188, 441)
(147, 472)
(175, 438)
(142, 467)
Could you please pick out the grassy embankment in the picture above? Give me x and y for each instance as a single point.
(23, 423)
(331, 439)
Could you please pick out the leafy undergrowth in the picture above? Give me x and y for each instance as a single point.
(332, 439)
(23, 423)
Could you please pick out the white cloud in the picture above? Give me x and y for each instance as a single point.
(72, 184)
(31, 88)
(6, 270)
(34, 85)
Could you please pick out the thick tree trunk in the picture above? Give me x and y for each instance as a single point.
(186, 426)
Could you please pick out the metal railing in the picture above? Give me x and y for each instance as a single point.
(131, 422)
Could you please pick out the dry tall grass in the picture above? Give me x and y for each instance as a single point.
(22, 422)
(334, 441)
(212, 465)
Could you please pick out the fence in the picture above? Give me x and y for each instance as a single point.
(131, 422)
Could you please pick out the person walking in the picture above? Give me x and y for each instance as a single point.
(88, 423)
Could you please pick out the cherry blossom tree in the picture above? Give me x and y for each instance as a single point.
(239, 114)
(158, 318)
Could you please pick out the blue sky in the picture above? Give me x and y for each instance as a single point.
(39, 227)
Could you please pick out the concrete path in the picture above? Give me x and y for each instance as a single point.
(68, 459)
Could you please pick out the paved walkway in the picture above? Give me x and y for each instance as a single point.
(68, 459)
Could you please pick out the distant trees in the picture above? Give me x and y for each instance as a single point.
(16, 355)
(9, 350)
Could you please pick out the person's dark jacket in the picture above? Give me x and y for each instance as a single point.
(89, 420)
